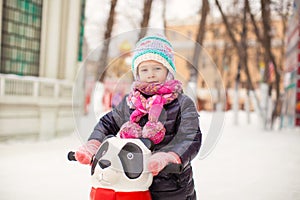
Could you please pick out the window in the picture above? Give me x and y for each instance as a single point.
(21, 34)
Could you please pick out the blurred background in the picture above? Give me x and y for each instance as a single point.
(64, 63)
(233, 55)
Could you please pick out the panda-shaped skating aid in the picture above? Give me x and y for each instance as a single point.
(119, 170)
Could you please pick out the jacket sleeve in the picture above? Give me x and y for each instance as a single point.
(187, 140)
(111, 122)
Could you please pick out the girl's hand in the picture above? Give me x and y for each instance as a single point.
(158, 161)
(85, 153)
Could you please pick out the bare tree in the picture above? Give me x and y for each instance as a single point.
(265, 39)
(241, 49)
(107, 35)
(199, 41)
(283, 9)
(146, 17)
(164, 15)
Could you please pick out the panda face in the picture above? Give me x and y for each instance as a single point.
(120, 164)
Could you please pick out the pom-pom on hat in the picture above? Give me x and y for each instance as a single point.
(154, 47)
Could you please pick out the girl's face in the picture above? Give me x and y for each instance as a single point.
(152, 72)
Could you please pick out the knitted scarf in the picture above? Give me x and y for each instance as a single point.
(160, 94)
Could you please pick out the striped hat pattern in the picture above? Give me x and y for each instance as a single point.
(157, 48)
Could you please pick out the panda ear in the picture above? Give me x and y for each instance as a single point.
(148, 143)
(108, 136)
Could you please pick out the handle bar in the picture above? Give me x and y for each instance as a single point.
(71, 156)
(170, 168)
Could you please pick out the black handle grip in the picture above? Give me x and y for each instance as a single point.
(173, 168)
(71, 156)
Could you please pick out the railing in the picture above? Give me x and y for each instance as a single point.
(25, 86)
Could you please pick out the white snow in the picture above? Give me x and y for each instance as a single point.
(247, 163)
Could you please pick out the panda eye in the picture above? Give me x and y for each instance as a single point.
(130, 156)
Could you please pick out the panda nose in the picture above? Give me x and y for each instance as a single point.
(104, 163)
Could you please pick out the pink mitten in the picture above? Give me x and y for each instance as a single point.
(130, 130)
(85, 153)
(158, 161)
(155, 131)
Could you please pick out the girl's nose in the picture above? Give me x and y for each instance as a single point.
(151, 74)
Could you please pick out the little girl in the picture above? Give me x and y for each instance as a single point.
(156, 108)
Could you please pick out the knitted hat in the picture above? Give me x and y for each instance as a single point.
(157, 48)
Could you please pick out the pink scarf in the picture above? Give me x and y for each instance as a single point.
(160, 94)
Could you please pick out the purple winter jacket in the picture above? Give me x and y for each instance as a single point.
(183, 136)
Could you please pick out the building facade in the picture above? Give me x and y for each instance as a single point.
(220, 57)
(41, 51)
(291, 98)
